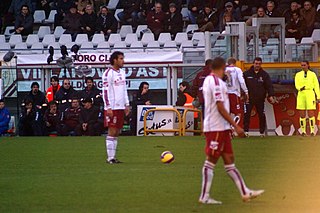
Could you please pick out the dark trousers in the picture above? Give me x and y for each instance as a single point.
(260, 110)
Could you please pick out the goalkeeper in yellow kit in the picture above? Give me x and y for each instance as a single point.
(307, 84)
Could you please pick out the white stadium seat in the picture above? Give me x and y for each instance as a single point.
(198, 37)
(4, 47)
(113, 38)
(141, 28)
(153, 46)
(86, 46)
(55, 45)
(184, 13)
(180, 37)
(7, 31)
(2, 39)
(163, 37)
(130, 38)
(58, 31)
(50, 19)
(124, 30)
(113, 4)
(97, 38)
(146, 38)
(21, 48)
(116, 13)
(81, 38)
(32, 38)
(121, 46)
(43, 30)
(14, 39)
(48, 39)
(136, 46)
(65, 39)
(192, 27)
(39, 16)
(186, 45)
(37, 48)
(103, 47)
(170, 46)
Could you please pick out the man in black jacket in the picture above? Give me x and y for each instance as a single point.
(64, 95)
(106, 22)
(259, 86)
(90, 124)
(24, 22)
(195, 7)
(37, 97)
(70, 118)
(174, 20)
(92, 92)
(89, 21)
(131, 13)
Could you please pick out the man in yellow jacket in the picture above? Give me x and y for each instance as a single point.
(307, 84)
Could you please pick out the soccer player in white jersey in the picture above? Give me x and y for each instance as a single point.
(235, 83)
(217, 130)
(116, 103)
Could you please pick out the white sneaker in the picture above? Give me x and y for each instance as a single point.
(252, 195)
(246, 134)
(210, 201)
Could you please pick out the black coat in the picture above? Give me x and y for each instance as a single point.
(64, 97)
(174, 23)
(94, 94)
(89, 21)
(26, 22)
(196, 3)
(89, 116)
(259, 84)
(30, 124)
(37, 100)
(108, 22)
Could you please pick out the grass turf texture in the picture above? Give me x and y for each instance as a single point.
(69, 174)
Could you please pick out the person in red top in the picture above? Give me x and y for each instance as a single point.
(156, 20)
(51, 91)
(198, 82)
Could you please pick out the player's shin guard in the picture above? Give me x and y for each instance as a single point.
(111, 147)
(312, 122)
(235, 175)
(207, 176)
(303, 123)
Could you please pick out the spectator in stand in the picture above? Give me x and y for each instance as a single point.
(131, 13)
(156, 19)
(227, 17)
(63, 8)
(65, 94)
(30, 121)
(91, 119)
(265, 29)
(82, 5)
(207, 19)
(16, 5)
(52, 90)
(174, 22)
(166, 5)
(45, 5)
(24, 22)
(296, 27)
(52, 119)
(71, 22)
(106, 22)
(195, 7)
(198, 82)
(308, 13)
(271, 10)
(143, 97)
(248, 7)
(92, 92)
(37, 97)
(229, 8)
(89, 21)
(70, 118)
(4, 118)
(294, 6)
(98, 4)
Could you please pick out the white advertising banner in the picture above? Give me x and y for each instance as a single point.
(161, 120)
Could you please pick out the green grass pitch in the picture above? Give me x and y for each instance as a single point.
(69, 174)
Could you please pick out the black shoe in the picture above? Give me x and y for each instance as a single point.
(303, 134)
(312, 134)
(114, 161)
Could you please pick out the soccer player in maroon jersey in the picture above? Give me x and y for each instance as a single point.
(116, 103)
(217, 130)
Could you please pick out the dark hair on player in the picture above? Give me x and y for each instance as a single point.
(1, 100)
(218, 63)
(257, 59)
(231, 60)
(115, 56)
(209, 62)
(142, 84)
(89, 78)
(54, 78)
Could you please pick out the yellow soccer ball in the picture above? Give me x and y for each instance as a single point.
(167, 157)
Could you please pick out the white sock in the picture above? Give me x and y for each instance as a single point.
(111, 147)
(235, 175)
(207, 176)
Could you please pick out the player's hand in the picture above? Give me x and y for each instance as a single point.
(239, 131)
(109, 113)
(127, 110)
(246, 98)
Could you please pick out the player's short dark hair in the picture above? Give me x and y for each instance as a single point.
(231, 60)
(209, 62)
(89, 78)
(1, 100)
(115, 56)
(54, 78)
(257, 59)
(218, 63)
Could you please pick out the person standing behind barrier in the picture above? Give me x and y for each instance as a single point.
(143, 97)
(259, 87)
(65, 94)
(235, 83)
(198, 82)
(307, 84)
(52, 90)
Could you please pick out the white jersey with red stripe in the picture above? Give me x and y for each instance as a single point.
(114, 91)
(235, 81)
(215, 90)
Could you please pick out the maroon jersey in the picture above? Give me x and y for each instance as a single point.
(198, 82)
